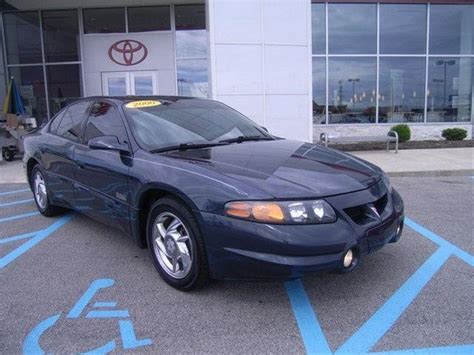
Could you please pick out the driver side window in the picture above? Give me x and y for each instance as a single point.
(104, 121)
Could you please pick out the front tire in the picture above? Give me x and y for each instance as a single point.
(40, 193)
(176, 245)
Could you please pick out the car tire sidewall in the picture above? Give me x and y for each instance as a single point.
(170, 205)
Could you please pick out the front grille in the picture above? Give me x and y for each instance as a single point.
(364, 214)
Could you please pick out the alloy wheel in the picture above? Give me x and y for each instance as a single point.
(41, 194)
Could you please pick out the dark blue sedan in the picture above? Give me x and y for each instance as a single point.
(208, 191)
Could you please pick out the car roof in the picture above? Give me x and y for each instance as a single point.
(136, 98)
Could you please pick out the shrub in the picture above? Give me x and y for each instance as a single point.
(403, 131)
(454, 134)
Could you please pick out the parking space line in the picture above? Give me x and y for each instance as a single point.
(38, 237)
(310, 329)
(15, 202)
(13, 192)
(19, 216)
(382, 320)
(461, 254)
(17, 237)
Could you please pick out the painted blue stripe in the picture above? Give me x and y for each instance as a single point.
(120, 313)
(105, 304)
(31, 345)
(15, 202)
(311, 332)
(93, 288)
(7, 259)
(17, 237)
(457, 349)
(381, 321)
(129, 339)
(18, 216)
(461, 254)
(13, 192)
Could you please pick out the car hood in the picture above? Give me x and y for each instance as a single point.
(285, 168)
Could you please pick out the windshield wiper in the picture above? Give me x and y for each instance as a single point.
(186, 146)
(241, 139)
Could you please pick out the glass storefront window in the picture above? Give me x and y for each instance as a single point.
(22, 32)
(30, 81)
(318, 28)
(402, 29)
(401, 90)
(452, 29)
(64, 85)
(104, 20)
(352, 28)
(191, 50)
(191, 43)
(319, 90)
(352, 90)
(148, 18)
(190, 17)
(60, 35)
(450, 82)
(192, 77)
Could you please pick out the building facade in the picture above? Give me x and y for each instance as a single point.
(297, 67)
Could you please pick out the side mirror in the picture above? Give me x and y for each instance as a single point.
(107, 143)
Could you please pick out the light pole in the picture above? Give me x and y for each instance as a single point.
(353, 81)
(445, 63)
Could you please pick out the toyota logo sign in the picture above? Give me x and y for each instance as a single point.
(128, 52)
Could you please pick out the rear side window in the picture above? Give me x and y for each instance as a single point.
(104, 121)
(71, 123)
(53, 128)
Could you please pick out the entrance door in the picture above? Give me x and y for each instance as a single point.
(129, 83)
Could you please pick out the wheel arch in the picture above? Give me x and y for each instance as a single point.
(30, 164)
(145, 199)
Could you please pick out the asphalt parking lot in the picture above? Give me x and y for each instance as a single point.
(70, 284)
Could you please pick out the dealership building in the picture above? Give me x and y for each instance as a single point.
(297, 67)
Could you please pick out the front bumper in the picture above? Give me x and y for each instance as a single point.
(239, 249)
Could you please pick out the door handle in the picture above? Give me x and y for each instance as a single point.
(81, 165)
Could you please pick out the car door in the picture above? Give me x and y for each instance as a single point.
(102, 175)
(57, 152)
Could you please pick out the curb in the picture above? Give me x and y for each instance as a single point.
(433, 173)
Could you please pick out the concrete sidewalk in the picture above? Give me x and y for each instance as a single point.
(451, 161)
(448, 161)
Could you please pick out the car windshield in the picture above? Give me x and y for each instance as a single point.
(166, 124)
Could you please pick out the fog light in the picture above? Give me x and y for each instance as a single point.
(348, 258)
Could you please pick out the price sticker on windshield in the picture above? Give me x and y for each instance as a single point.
(143, 103)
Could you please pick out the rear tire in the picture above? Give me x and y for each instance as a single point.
(176, 245)
(40, 193)
(8, 154)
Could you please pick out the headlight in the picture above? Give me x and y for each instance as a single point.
(387, 183)
(282, 212)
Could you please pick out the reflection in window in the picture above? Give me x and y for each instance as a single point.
(452, 29)
(191, 50)
(402, 29)
(22, 32)
(143, 85)
(60, 35)
(401, 89)
(352, 28)
(352, 90)
(30, 81)
(319, 90)
(106, 20)
(148, 18)
(117, 86)
(192, 77)
(191, 43)
(64, 85)
(450, 82)
(318, 28)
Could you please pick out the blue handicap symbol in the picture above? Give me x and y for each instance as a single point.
(31, 345)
